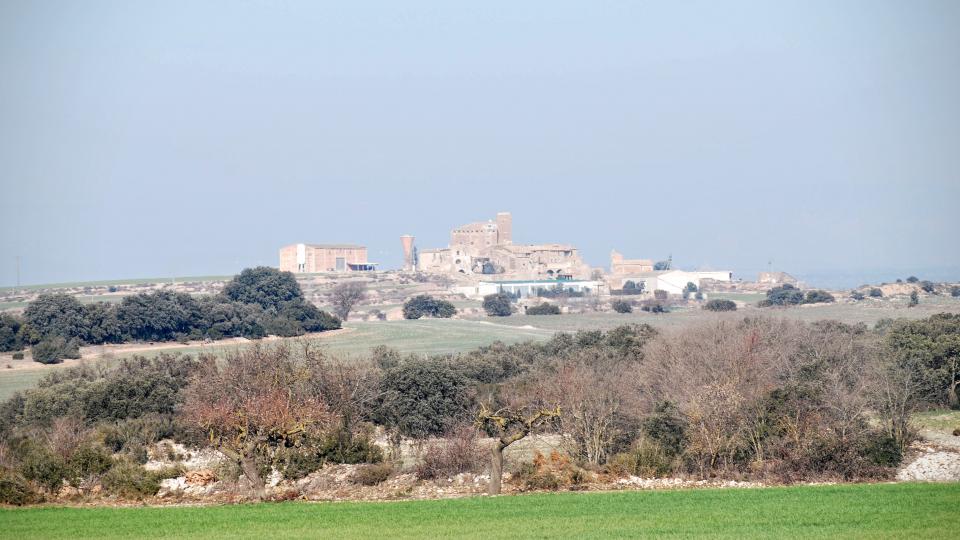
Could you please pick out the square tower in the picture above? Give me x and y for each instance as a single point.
(504, 228)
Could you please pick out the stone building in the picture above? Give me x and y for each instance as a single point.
(620, 266)
(314, 258)
(487, 247)
(776, 278)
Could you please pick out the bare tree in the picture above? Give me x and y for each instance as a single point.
(258, 400)
(345, 296)
(591, 391)
(510, 425)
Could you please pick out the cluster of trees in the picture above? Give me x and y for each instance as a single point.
(258, 302)
(428, 306)
(788, 295)
(559, 291)
(752, 397)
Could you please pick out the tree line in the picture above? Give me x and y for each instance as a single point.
(258, 302)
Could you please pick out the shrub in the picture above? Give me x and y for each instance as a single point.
(913, 279)
(86, 461)
(548, 473)
(10, 334)
(720, 305)
(130, 480)
(629, 288)
(497, 305)
(421, 398)
(457, 454)
(647, 458)
(875, 292)
(15, 490)
(622, 306)
(343, 446)
(653, 307)
(427, 306)
(543, 309)
(884, 451)
(41, 466)
(784, 295)
(955, 291)
(818, 297)
(372, 475)
(914, 299)
(18, 355)
(660, 294)
(857, 295)
(927, 286)
(53, 350)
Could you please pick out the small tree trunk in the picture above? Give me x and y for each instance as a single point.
(496, 469)
(249, 466)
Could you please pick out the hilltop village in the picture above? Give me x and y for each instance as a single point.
(482, 259)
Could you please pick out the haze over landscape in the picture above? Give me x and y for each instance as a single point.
(179, 139)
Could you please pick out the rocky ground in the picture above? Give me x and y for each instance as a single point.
(933, 458)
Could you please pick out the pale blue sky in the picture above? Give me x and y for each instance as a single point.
(143, 139)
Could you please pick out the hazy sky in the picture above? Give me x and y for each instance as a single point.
(144, 139)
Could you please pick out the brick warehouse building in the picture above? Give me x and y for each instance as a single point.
(314, 258)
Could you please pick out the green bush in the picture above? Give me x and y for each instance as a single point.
(784, 295)
(11, 337)
(720, 305)
(875, 292)
(18, 355)
(914, 299)
(884, 451)
(421, 398)
(54, 349)
(497, 305)
(913, 279)
(15, 490)
(372, 475)
(41, 466)
(927, 287)
(427, 306)
(857, 295)
(86, 461)
(955, 292)
(622, 306)
(631, 288)
(818, 297)
(129, 480)
(543, 309)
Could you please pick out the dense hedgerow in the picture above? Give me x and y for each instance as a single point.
(258, 302)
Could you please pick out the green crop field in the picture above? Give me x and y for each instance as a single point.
(848, 511)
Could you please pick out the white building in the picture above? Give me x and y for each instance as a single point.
(673, 281)
(527, 288)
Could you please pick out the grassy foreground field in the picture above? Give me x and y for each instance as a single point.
(849, 511)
